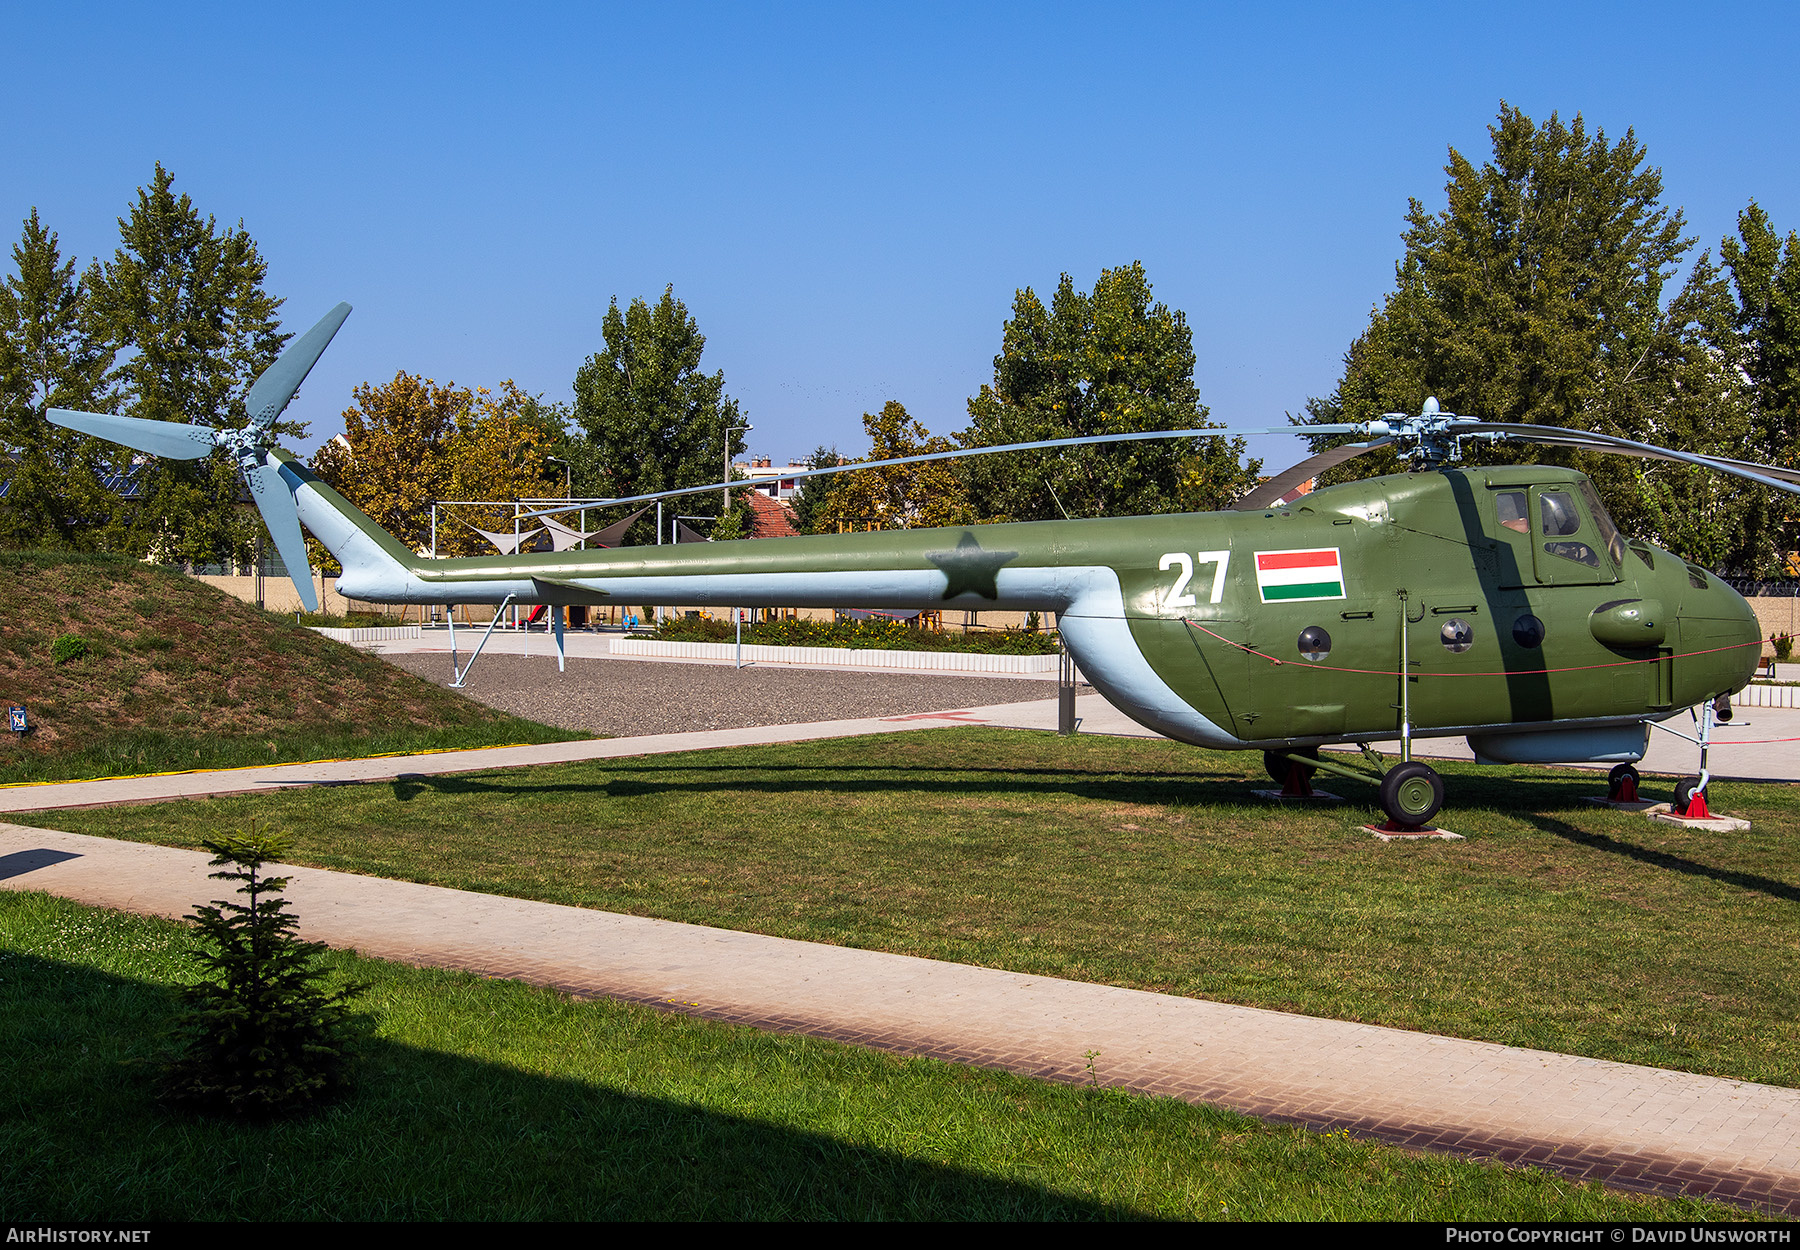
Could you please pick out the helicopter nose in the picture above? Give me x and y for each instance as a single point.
(1720, 636)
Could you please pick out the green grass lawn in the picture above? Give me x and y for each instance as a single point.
(482, 1100)
(1556, 925)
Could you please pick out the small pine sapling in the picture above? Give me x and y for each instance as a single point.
(262, 1037)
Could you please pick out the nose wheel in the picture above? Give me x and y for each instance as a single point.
(1411, 793)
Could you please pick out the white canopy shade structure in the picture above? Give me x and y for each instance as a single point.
(562, 537)
(509, 544)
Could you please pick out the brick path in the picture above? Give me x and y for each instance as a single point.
(1632, 1127)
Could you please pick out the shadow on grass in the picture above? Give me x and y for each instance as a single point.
(1195, 788)
(1663, 859)
(430, 1134)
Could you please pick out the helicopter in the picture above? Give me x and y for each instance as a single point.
(1500, 604)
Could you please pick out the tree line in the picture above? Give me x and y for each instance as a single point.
(1538, 295)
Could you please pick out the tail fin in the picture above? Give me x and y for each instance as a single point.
(376, 566)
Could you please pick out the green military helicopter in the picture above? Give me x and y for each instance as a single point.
(1500, 604)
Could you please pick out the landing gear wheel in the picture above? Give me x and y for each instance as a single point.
(1279, 766)
(1622, 784)
(1411, 793)
(1685, 794)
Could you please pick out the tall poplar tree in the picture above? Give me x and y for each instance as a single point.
(50, 357)
(651, 419)
(185, 301)
(1107, 362)
(1765, 274)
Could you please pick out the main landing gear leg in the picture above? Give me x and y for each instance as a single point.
(1690, 795)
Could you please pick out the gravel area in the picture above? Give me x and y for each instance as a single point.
(624, 698)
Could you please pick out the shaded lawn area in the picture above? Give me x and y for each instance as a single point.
(1556, 925)
(488, 1100)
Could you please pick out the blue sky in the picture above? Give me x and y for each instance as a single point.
(847, 197)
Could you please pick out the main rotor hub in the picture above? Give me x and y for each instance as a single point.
(1429, 439)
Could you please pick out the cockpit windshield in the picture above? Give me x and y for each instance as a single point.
(1609, 533)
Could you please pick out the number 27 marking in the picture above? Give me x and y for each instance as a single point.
(1178, 596)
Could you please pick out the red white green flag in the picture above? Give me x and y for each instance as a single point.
(1289, 576)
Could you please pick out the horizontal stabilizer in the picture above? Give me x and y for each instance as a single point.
(556, 590)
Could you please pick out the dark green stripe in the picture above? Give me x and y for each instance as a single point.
(1304, 590)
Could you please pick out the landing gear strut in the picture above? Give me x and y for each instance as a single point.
(1411, 792)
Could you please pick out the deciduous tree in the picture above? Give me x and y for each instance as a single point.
(1109, 362)
(410, 442)
(907, 496)
(389, 461)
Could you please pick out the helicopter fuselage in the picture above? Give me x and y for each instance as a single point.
(1518, 614)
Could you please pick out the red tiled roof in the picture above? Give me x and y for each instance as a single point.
(770, 518)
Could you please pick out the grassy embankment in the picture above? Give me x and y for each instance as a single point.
(179, 675)
(484, 1100)
(1556, 925)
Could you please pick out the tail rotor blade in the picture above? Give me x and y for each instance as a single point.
(170, 439)
(280, 380)
(275, 500)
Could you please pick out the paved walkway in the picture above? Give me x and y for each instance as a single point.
(1632, 1127)
(55, 795)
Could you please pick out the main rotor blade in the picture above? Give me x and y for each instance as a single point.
(1552, 436)
(1270, 492)
(279, 381)
(1303, 431)
(275, 500)
(173, 440)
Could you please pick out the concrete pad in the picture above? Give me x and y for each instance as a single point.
(1426, 834)
(1317, 796)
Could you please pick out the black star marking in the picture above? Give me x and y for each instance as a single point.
(969, 570)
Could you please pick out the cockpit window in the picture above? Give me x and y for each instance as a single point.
(1509, 505)
(1556, 510)
(1581, 553)
(1609, 533)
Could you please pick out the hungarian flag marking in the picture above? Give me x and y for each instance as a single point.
(1289, 576)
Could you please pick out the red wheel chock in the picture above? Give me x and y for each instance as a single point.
(1297, 787)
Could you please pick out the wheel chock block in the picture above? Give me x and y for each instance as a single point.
(1393, 831)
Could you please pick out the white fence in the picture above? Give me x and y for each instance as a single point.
(1766, 696)
(919, 661)
(372, 633)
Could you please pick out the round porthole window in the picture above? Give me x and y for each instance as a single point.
(1315, 643)
(1457, 636)
(1528, 631)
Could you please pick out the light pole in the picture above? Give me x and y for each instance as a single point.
(725, 495)
(565, 465)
